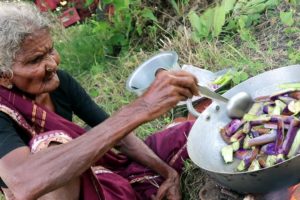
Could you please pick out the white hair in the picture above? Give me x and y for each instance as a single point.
(17, 20)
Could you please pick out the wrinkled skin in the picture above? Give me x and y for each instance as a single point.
(36, 55)
(168, 89)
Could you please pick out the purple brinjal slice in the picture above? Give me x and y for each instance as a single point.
(241, 153)
(280, 135)
(233, 126)
(268, 149)
(263, 139)
(295, 146)
(287, 143)
(238, 135)
(247, 160)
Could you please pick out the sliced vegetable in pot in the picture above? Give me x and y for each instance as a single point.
(268, 134)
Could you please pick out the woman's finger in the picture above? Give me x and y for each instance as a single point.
(160, 193)
(187, 81)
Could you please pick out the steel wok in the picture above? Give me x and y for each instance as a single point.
(205, 143)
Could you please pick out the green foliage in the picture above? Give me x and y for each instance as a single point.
(229, 16)
(98, 40)
(179, 6)
(287, 18)
(128, 21)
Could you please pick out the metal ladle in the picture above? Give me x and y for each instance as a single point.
(237, 106)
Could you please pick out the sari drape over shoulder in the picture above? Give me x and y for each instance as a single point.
(113, 176)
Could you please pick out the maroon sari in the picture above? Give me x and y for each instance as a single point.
(114, 176)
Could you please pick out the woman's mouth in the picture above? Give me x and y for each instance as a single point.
(49, 76)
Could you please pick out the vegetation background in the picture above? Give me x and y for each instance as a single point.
(249, 35)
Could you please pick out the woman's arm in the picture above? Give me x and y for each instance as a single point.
(49, 169)
(40, 173)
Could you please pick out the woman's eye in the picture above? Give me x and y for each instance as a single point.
(36, 60)
(52, 51)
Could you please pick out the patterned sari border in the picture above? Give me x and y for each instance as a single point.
(143, 179)
(17, 118)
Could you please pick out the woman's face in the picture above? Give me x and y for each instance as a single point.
(35, 65)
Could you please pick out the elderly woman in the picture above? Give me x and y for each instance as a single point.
(43, 155)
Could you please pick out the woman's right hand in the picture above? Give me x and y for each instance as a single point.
(167, 90)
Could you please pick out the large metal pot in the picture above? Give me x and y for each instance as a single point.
(205, 143)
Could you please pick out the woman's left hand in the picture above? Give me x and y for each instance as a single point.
(170, 188)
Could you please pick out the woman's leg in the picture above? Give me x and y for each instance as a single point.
(70, 191)
(170, 146)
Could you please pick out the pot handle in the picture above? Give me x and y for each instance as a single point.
(191, 109)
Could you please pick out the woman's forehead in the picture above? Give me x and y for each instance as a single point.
(38, 41)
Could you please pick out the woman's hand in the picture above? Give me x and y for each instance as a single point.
(169, 189)
(167, 90)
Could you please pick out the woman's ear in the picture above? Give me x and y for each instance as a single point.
(6, 76)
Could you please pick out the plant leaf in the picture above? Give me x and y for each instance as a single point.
(175, 6)
(228, 5)
(148, 14)
(88, 3)
(271, 3)
(121, 4)
(287, 18)
(219, 20)
(195, 21)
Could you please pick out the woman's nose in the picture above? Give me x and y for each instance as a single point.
(53, 61)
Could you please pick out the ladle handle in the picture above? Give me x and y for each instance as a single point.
(191, 109)
(204, 91)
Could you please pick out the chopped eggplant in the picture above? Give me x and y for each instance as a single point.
(268, 149)
(286, 99)
(279, 107)
(247, 160)
(280, 135)
(290, 86)
(287, 143)
(261, 130)
(247, 127)
(271, 160)
(295, 95)
(279, 158)
(224, 136)
(255, 109)
(233, 126)
(295, 146)
(254, 166)
(246, 142)
(236, 145)
(238, 135)
(241, 153)
(256, 120)
(294, 107)
(227, 153)
(263, 139)
(267, 135)
(262, 159)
